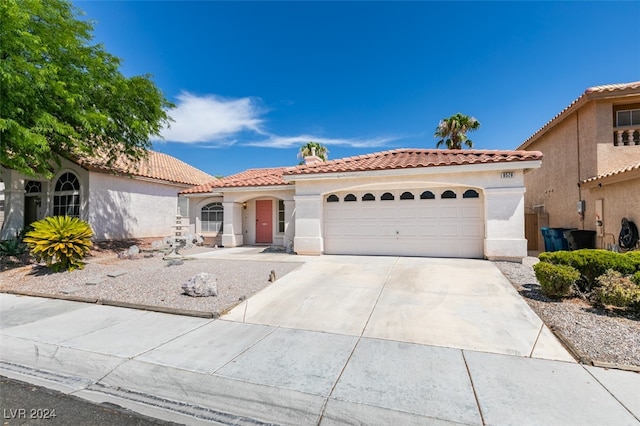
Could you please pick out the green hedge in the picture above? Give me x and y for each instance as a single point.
(556, 280)
(593, 263)
(616, 290)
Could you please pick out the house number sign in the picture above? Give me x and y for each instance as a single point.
(507, 175)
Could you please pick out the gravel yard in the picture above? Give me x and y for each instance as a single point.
(148, 281)
(597, 334)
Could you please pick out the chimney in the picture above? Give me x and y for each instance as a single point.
(312, 159)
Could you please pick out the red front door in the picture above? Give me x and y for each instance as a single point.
(264, 222)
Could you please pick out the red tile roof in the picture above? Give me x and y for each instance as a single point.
(613, 173)
(414, 158)
(248, 178)
(596, 91)
(386, 160)
(157, 166)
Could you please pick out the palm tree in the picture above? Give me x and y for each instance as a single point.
(313, 148)
(452, 131)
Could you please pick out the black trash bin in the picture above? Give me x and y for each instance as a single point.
(580, 239)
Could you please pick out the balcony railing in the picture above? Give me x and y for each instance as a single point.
(628, 135)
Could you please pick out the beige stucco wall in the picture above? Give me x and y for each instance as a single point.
(619, 200)
(577, 148)
(122, 207)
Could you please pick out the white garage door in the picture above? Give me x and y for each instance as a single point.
(447, 222)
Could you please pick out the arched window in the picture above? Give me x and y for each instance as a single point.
(66, 196)
(387, 196)
(470, 193)
(332, 198)
(427, 195)
(211, 217)
(33, 187)
(368, 197)
(350, 197)
(406, 196)
(448, 194)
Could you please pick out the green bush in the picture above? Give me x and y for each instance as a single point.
(636, 278)
(60, 241)
(635, 258)
(616, 290)
(13, 247)
(592, 263)
(556, 280)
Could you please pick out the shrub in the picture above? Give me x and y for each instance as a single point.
(13, 247)
(636, 278)
(635, 258)
(60, 241)
(556, 280)
(616, 290)
(592, 263)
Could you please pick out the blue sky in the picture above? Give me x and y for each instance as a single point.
(254, 81)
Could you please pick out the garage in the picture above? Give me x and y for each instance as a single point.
(436, 222)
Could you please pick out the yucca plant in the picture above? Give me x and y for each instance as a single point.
(60, 241)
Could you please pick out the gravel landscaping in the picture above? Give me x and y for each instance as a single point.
(149, 281)
(599, 336)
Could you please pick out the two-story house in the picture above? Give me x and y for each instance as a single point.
(590, 177)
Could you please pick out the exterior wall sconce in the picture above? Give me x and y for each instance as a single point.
(244, 205)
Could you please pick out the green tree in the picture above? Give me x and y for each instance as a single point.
(310, 148)
(61, 94)
(452, 131)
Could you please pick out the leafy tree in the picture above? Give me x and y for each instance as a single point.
(309, 148)
(60, 94)
(452, 131)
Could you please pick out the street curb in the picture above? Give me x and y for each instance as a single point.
(164, 310)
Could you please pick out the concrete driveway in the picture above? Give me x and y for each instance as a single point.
(341, 340)
(454, 303)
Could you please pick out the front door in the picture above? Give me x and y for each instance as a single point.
(264, 222)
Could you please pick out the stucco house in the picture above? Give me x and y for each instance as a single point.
(119, 201)
(590, 178)
(414, 202)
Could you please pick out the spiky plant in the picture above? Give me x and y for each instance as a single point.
(60, 241)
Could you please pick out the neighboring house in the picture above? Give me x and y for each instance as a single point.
(119, 201)
(411, 202)
(590, 178)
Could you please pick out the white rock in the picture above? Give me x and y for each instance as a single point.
(200, 285)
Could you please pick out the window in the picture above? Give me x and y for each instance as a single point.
(629, 117)
(448, 194)
(406, 196)
(387, 196)
(470, 193)
(281, 216)
(427, 195)
(332, 198)
(211, 217)
(33, 187)
(368, 197)
(66, 196)
(350, 197)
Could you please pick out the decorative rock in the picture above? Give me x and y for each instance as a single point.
(158, 244)
(133, 250)
(200, 285)
(174, 261)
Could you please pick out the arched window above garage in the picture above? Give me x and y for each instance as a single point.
(448, 194)
(350, 197)
(387, 196)
(427, 195)
(407, 196)
(368, 197)
(333, 198)
(470, 193)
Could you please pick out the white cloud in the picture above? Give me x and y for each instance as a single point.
(212, 118)
(214, 122)
(275, 141)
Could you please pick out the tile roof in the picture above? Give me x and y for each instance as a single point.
(614, 173)
(386, 160)
(156, 166)
(248, 178)
(613, 89)
(414, 158)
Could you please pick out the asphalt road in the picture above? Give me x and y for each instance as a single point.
(26, 404)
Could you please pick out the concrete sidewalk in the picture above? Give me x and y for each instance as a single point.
(341, 340)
